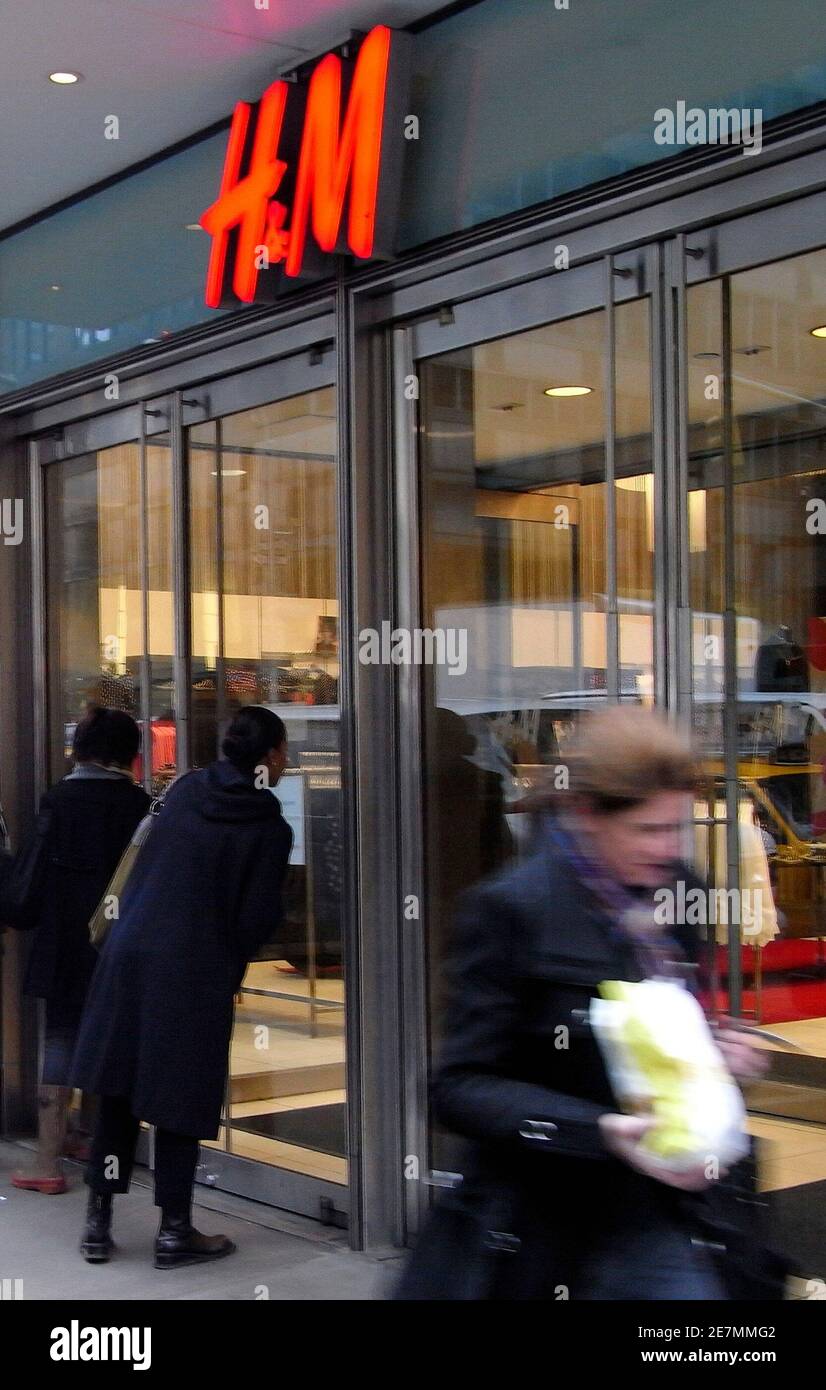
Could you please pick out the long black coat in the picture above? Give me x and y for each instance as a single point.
(539, 1209)
(204, 895)
(92, 821)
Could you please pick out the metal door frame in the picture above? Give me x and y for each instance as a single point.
(284, 364)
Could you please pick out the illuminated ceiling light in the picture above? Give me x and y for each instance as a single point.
(193, 227)
(55, 287)
(64, 79)
(230, 472)
(819, 332)
(568, 390)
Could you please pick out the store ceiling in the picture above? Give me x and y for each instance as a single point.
(778, 365)
(165, 70)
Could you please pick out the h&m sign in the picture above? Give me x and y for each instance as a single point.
(312, 169)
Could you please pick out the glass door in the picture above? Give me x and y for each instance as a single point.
(535, 482)
(264, 629)
(755, 373)
(188, 565)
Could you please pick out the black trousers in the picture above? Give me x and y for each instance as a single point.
(109, 1169)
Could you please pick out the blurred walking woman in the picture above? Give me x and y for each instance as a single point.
(560, 1197)
(154, 1042)
(91, 816)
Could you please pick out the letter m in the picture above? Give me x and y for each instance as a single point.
(335, 155)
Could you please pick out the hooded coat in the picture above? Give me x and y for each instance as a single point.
(204, 895)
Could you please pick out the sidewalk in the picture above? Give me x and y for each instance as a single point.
(289, 1257)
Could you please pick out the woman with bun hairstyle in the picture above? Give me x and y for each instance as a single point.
(89, 818)
(204, 895)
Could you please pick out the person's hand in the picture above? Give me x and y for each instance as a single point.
(622, 1136)
(744, 1059)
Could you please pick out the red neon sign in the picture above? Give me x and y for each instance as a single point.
(338, 170)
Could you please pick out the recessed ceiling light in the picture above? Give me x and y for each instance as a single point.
(193, 227)
(753, 350)
(702, 355)
(568, 390)
(64, 79)
(55, 287)
(819, 332)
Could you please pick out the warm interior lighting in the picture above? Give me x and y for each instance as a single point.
(64, 79)
(568, 390)
(819, 332)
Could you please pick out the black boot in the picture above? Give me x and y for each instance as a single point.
(178, 1243)
(96, 1244)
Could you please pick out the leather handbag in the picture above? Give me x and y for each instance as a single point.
(108, 909)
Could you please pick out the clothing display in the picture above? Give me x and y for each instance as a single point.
(759, 924)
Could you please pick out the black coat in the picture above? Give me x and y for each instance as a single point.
(204, 895)
(536, 1205)
(92, 820)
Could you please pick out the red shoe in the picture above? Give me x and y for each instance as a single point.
(51, 1186)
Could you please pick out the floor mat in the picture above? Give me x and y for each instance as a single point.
(321, 1127)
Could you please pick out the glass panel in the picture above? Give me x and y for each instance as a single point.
(265, 630)
(56, 317)
(776, 480)
(160, 644)
(513, 505)
(95, 618)
(205, 635)
(634, 471)
(493, 80)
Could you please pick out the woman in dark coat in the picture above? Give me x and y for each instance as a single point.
(559, 1199)
(204, 894)
(87, 821)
